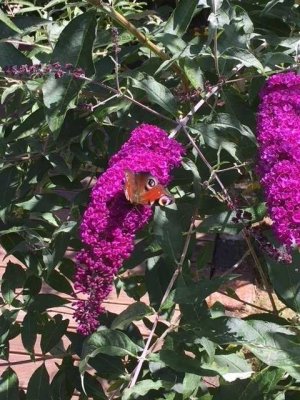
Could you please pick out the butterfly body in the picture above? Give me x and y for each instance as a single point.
(143, 188)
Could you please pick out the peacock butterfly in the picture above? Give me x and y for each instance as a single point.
(143, 188)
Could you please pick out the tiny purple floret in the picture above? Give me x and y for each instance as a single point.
(279, 156)
(110, 222)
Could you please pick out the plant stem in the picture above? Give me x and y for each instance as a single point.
(165, 296)
(120, 19)
(260, 271)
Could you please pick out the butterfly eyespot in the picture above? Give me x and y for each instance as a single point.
(151, 183)
(165, 200)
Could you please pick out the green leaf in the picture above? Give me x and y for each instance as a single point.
(230, 366)
(26, 23)
(43, 302)
(181, 17)
(221, 223)
(184, 363)
(9, 385)
(7, 21)
(93, 387)
(9, 180)
(52, 332)
(59, 387)
(143, 250)
(191, 383)
(31, 126)
(197, 292)
(273, 344)
(244, 56)
(170, 223)
(13, 278)
(157, 277)
(285, 281)
(58, 93)
(193, 72)
(59, 282)
(12, 56)
(142, 388)
(156, 92)
(38, 385)
(263, 382)
(29, 331)
(44, 203)
(107, 341)
(134, 312)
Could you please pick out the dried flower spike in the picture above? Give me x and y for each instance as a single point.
(110, 222)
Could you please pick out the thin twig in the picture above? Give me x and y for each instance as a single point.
(129, 98)
(215, 46)
(115, 35)
(244, 301)
(212, 171)
(260, 271)
(171, 328)
(165, 296)
(120, 19)
(237, 264)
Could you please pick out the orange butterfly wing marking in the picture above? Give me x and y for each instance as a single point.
(136, 191)
(152, 195)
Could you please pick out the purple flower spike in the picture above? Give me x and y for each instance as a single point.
(110, 222)
(279, 158)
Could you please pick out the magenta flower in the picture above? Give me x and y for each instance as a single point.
(110, 222)
(279, 156)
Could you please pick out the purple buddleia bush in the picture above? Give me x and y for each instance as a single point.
(110, 222)
(279, 156)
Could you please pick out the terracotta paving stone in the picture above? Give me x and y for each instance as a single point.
(20, 361)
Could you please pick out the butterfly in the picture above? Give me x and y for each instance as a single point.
(143, 188)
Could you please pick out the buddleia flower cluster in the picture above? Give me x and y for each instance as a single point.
(110, 222)
(279, 155)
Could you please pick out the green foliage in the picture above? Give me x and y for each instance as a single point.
(206, 60)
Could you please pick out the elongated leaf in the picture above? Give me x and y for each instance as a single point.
(197, 292)
(8, 183)
(13, 278)
(38, 385)
(58, 94)
(181, 17)
(193, 72)
(30, 126)
(273, 344)
(7, 21)
(262, 383)
(156, 92)
(134, 312)
(59, 282)
(12, 56)
(42, 302)
(25, 23)
(245, 57)
(53, 332)
(142, 388)
(9, 385)
(286, 282)
(183, 363)
(107, 341)
(230, 366)
(29, 331)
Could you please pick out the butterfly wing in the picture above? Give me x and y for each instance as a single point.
(152, 195)
(138, 190)
(129, 186)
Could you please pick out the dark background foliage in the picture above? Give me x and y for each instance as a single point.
(134, 62)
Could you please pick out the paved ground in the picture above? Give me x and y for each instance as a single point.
(21, 363)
